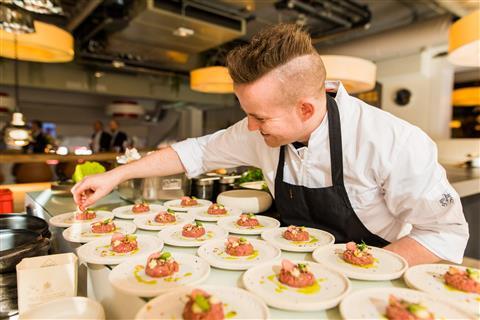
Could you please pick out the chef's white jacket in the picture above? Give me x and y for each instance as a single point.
(393, 179)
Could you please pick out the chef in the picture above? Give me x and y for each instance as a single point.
(332, 163)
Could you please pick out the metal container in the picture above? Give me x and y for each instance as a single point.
(227, 183)
(155, 188)
(203, 187)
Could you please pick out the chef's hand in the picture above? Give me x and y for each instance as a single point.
(93, 188)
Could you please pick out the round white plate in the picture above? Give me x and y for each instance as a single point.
(147, 222)
(66, 220)
(66, 308)
(429, 278)
(82, 233)
(387, 265)
(330, 288)
(125, 212)
(372, 304)
(202, 214)
(173, 236)
(266, 223)
(237, 304)
(175, 205)
(214, 252)
(318, 238)
(255, 185)
(129, 276)
(99, 252)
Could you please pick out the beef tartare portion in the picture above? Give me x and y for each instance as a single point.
(467, 281)
(296, 275)
(140, 207)
(161, 264)
(217, 210)
(87, 214)
(188, 202)
(238, 247)
(294, 233)
(399, 309)
(202, 306)
(166, 217)
(105, 226)
(248, 220)
(193, 230)
(358, 254)
(121, 243)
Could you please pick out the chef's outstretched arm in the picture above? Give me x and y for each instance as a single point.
(417, 193)
(163, 162)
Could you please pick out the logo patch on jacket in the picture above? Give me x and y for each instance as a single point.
(446, 199)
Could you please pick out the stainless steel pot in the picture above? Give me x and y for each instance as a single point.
(155, 188)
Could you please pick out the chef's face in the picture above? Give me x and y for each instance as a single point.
(270, 112)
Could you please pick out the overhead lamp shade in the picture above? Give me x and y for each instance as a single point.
(211, 80)
(48, 44)
(466, 97)
(15, 21)
(464, 41)
(40, 6)
(356, 74)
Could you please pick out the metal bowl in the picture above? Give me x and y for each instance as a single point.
(23, 221)
(155, 188)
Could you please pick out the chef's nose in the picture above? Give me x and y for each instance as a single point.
(253, 124)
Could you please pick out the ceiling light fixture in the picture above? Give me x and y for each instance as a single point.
(211, 80)
(15, 21)
(464, 41)
(183, 32)
(38, 6)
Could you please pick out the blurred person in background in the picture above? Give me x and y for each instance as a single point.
(119, 138)
(39, 139)
(101, 139)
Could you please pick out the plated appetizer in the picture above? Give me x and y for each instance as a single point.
(166, 217)
(202, 306)
(248, 220)
(87, 214)
(188, 202)
(161, 264)
(105, 226)
(467, 281)
(296, 275)
(399, 309)
(121, 243)
(193, 230)
(217, 210)
(294, 233)
(236, 246)
(358, 254)
(141, 207)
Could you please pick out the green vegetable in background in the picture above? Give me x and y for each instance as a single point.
(251, 175)
(86, 169)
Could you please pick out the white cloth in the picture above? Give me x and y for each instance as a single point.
(391, 173)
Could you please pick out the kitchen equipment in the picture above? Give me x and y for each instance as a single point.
(203, 187)
(67, 308)
(23, 221)
(17, 244)
(227, 183)
(155, 188)
(62, 188)
(251, 201)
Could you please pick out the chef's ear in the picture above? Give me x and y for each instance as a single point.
(306, 109)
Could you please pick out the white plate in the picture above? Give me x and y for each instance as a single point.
(175, 205)
(255, 185)
(387, 265)
(330, 288)
(91, 251)
(173, 236)
(372, 304)
(266, 223)
(130, 277)
(318, 238)
(202, 214)
(214, 252)
(82, 232)
(237, 304)
(429, 278)
(66, 308)
(125, 212)
(147, 222)
(66, 220)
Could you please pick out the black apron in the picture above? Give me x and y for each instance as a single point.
(329, 208)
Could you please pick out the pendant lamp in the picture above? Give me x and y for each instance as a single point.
(15, 21)
(38, 6)
(211, 80)
(464, 41)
